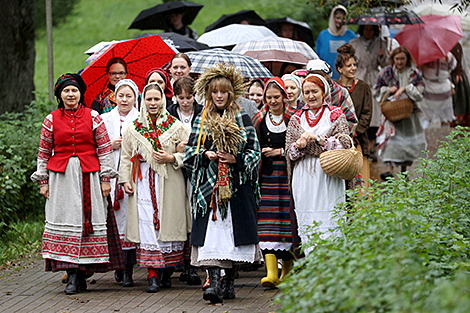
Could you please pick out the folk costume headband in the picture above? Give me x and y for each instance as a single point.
(327, 90)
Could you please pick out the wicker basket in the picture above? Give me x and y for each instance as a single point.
(342, 163)
(396, 110)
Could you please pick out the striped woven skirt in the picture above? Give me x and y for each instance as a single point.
(274, 223)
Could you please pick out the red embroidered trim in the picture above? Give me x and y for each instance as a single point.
(105, 179)
(153, 195)
(335, 114)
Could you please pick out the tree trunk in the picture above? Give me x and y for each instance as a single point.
(17, 54)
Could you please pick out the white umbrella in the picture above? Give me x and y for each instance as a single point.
(100, 46)
(276, 43)
(443, 9)
(234, 34)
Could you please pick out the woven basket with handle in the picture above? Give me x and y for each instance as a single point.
(396, 110)
(342, 163)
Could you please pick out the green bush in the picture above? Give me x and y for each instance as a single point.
(404, 247)
(19, 143)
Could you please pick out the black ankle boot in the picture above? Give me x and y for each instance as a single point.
(213, 293)
(228, 290)
(118, 275)
(194, 279)
(72, 282)
(165, 278)
(81, 280)
(127, 280)
(184, 276)
(153, 285)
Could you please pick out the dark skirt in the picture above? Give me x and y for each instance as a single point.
(274, 223)
(116, 256)
(461, 101)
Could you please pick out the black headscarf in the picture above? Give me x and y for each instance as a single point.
(66, 80)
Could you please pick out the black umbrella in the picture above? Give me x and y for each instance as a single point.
(375, 3)
(236, 18)
(157, 16)
(382, 16)
(180, 42)
(303, 30)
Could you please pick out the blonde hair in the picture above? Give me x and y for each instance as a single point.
(223, 84)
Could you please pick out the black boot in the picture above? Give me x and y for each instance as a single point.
(165, 277)
(228, 290)
(153, 286)
(81, 280)
(194, 279)
(72, 282)
(118, 275)
(213, 293)
(184, 276)
(127, 280)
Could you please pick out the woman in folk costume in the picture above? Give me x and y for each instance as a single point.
(158, 217)
(222, 158)
(274, 221)
(116, 121)
(313, 129)
(400, 143)
(75, 165)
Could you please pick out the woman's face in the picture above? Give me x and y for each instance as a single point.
(220, 98)
(185, 101)
(368, 32)
(125, 99)
(292, 90)
(179, 68)
(71, 96)
(117, 71)
(256, 94)
(349, 69)
(338, 18)
(400, 60)
(157, 78)
(153, 102)
(275, 100)
(313, 95)
(287, 30)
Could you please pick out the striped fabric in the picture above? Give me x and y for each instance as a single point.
(276, 43)
(274, 223)
(157, 259)
(250, 67)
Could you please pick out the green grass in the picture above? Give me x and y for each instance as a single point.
(94, 21)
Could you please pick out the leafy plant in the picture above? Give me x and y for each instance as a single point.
(400, 246)
(19, 143)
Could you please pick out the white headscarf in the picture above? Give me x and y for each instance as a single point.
(331, 23)
(130, 83)
(297, 82)
(327, 90)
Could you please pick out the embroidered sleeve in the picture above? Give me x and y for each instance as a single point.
(295, 153)
(335, 113)
(104, 148)
(46, 147)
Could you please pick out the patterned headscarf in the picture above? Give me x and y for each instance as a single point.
(166, 78)
(132, 85)
(66, 80)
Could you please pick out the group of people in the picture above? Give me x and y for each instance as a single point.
(216, 171)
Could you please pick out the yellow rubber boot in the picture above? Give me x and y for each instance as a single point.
(286, 268)
(272, 278)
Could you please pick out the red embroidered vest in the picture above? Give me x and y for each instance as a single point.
(73, 136)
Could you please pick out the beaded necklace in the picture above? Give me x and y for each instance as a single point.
(313, 122)
(272, 119)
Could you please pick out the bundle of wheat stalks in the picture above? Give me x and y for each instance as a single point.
(225, 132)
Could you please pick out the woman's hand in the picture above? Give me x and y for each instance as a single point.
(211, 155)
(105, 189)
(116, 143)
(399, 93)
(161, 157)
(128, 188)
(44, 190)
(181, 146)
(307, 136)
(270, 152)
(301, 143)
(393, 89)
(225, 157)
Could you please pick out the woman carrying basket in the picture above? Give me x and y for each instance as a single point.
(400, 142)
(313, 129)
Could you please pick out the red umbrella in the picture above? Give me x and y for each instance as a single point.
(140, 54)
(432, 40)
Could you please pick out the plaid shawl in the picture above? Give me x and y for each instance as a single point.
(389, 77)
(203, 173)
(340, 97)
